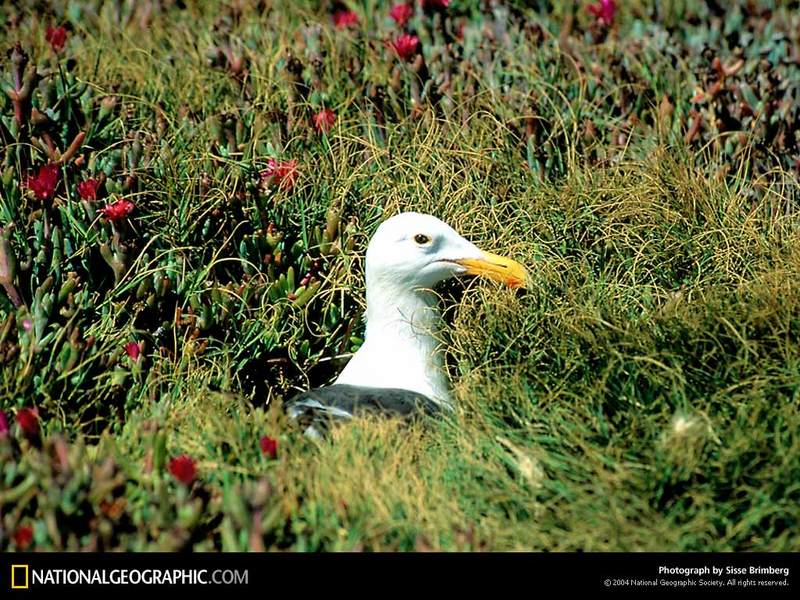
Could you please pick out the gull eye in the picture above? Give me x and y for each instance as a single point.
(421, 239)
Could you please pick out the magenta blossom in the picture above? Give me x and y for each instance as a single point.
(28, 419)
(133, 350)
(401, 13)
(324, 120)
(405, 46)
(603, 11)
(44, 182)
(118, 210)
(3, 425)
(269, 447)
(23, 536)
(183, 469)
(87, 190)
(57, 36)
(282, 172)
(433, 4)
(344, 18)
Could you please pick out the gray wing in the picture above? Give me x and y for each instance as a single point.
(315, 409)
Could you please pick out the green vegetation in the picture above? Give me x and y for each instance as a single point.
(642, 395)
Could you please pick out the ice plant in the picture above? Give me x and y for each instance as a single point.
(118, 210)
(3, 425)
(282, 172)
(405, 46)
(8, 266)
(269, 447)
(183, 469)
(44, 182)
(603, 11)
(401, 13)
(344, 18)
(87, 190)
(28, 419)
(324, 120)
(133, 349)
(23, 536)
(57, 37)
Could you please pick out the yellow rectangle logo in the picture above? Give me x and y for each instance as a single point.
(19, 577)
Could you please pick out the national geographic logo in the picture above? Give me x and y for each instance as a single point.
(19, 577)
(22, 577)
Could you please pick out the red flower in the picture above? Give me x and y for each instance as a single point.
(401, 13)
(28, 419)
(134, 349)
(57, 36)
(324, 120)
(283, 172)
(183, 469)
(23, 536)
(45, 181)
(88, 189)
(604, 11)
(118, 210)
(3, 425)
(269, 447)
(432, 4)
(405, 46)
(344, 18)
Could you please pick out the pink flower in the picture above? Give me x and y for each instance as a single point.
(344, 18)
(57, 36)
(604, 11)
(405, 46)
(23, 536)
(324, 120)
(28, 419)
(44, 182)
(3, 425)
(87, 190)
(183, 469)
(432, 4)
(283, 172)
(133, 349)
(269, 447)
(118, 210)
(401, 13)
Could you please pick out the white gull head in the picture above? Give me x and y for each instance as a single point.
(408, 255)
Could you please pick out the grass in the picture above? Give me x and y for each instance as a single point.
(641, 395)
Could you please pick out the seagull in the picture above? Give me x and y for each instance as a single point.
(399, 369)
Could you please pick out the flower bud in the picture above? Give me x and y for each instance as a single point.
(8, 262)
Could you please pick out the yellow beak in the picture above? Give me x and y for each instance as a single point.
(497, 268)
